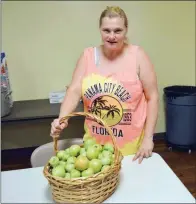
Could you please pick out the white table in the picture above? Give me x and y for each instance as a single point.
(150, 182)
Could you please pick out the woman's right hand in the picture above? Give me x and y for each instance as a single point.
(56, 127)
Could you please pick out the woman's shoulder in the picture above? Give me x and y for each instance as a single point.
(138, 50)
(88, 49)
(134, 47)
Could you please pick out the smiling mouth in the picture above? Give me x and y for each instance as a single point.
(112, 42)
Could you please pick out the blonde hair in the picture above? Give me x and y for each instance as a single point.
(113, 11)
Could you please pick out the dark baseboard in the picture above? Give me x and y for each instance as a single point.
(159, 136)
(19, 158)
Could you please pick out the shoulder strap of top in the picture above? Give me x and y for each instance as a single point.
(96, 56)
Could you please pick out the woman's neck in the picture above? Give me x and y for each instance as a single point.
(112, 54)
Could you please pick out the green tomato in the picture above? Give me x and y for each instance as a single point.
(71, 160)
(67, 150)
(106, 153)
(74, 150)
(58, 171)
(83, 154)
(63, 163)
(75, 173)
(106, 160)
(67, 175)
(105, 167)
(98, 146)
(81, 163)
(69, 167)
(92, 153)
(100, 156)
(65, 156)
(82, 150)
(87, 172)
(54, 161)
(60, 154)
(96, 165)
(109, 147)
(89, 142)
(86, 137)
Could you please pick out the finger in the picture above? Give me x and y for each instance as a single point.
(146, 154)
(150, 153)
(136, 156)
(56, 125)
(141, 158)
(54, 130)
(61, 122)
(63, 125)
(53, 134)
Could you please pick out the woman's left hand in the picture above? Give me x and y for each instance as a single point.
(145, 149)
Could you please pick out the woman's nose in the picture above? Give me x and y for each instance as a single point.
(112, 35)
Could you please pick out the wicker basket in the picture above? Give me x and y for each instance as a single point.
(93, 189)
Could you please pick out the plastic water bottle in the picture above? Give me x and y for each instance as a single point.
(3, 73)
(5, 77)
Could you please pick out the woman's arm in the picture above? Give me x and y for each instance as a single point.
(149, 82)
(74, 91)
(148, 78)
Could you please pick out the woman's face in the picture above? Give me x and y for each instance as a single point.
(113, 32)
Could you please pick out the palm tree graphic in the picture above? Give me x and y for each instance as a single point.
(96, 110)
(99, 101)
(97, 105)
(111, 110)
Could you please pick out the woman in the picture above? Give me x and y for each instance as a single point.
(117, 82)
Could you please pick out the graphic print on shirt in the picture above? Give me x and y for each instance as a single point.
(106, 98)
(108, 109)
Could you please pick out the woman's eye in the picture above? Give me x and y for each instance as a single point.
(118, 31)
(107, 31)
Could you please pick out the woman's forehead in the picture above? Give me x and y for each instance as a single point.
(113, 22)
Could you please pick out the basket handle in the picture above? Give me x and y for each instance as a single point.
(98, 120)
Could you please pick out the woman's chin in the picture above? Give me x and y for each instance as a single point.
(111, 47)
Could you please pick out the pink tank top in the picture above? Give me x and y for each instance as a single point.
(117, 98)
